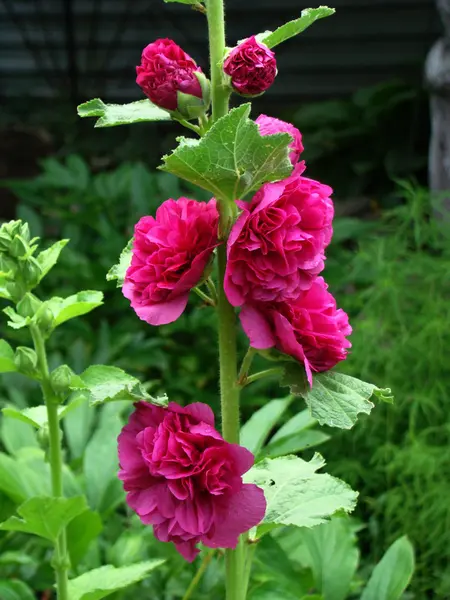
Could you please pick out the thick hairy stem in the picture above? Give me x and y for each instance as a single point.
(229, 391)
(61, 558)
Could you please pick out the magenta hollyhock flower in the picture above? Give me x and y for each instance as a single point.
(310, 328)
(164, 71)
(184, 479)
(276, 247)
(252, 67)
(170, 253)
(270, 125)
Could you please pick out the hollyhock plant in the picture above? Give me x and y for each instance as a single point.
(183, 478)
(276, 247)
(270, 125)
(252, 67)
(192, 484)
(310, 328)
(167, 75)
(170, 254)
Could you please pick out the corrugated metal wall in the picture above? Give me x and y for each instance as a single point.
(86, 48)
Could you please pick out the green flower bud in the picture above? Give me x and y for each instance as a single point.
(29, 305)
(8, 231)
(190, 106)
(19, 248)
(26, 360)
(31, 272)
(61, 378)
(43, 436)
(44, 318)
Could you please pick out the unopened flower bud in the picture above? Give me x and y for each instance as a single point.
(61, 378)
(252, 67)
(26, 360)
(31, 272)
(8, 231)
(44, 318)
(29, 305)
(165, 72)
(19, 247)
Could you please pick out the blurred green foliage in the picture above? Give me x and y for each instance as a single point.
(391, 275)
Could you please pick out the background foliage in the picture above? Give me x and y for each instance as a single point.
(389, 268)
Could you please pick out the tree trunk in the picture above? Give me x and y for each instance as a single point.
(437, 73)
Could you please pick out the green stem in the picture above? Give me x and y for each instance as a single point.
(204, 296)
(196, 579)
(61, 558)
(248, 566)
(190, 126)
(229, 391)
(245, 366)
(276, 371)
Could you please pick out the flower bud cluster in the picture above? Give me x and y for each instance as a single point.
(20, 272)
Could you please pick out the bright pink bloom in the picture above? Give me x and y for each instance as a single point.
(252, 67)
(270, 125)
(310, 329)
(170, 253)
(165, 70)
(276, 247)
(184, 479)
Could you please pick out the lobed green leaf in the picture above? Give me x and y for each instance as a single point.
(122, 114)
(296, 494)
(232, 159)
(106, 384)
(45, 517)
(293, 28)
(335, 399)
(104, 581)
(117, 272)
(79, 304)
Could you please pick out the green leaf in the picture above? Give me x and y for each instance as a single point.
(333, 556)
(102, 582)
(107, 384)
(296, 494)
(295, 443)
(81, 531)
(255, 431)
(17, 434)
(392, 574)
(7, 364)
(15, 320)
(122, 114)
(118, 271)
(101, 463)
(48, 258)
(299, 422)
(232, 159)
(79, 304)
(336, 399)
(13, 589)
(19, 481)
(184, 1)
(293, 28)
(37, 415)
(45, 517)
